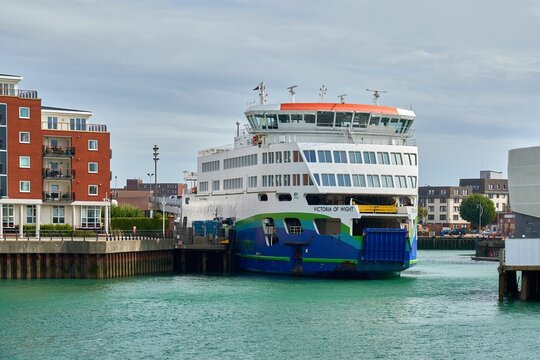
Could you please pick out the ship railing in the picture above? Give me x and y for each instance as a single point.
(377, 209)
(216, 150)
(295, 230)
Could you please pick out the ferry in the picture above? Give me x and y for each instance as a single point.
(314, 189)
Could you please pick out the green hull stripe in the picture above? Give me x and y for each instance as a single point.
(333, 261)
(415, 261)
(267, 258)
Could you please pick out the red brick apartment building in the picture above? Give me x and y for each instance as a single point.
(54, 164)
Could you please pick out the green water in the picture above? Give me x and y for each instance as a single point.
(444, 308)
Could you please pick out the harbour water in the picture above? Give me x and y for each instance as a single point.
(444, 308)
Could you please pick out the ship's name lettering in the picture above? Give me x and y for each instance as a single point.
(332, 208)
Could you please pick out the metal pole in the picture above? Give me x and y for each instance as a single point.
(163, 216)
(155, 148)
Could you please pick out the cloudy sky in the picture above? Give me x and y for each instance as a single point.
(180, 73)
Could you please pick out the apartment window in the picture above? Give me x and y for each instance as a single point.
(456, 191)
(203, 186)
(442, 217)
(431, 217)
(77, 124)
(442, 208)
(92, 145)
(8, 215)
(443, 191)
(92, 190)
(90, 217)
(443, 200)
(24, 112)
(456, 208)
(24, 137)
(24, 186)
(431, 192)
(456, 200)
(431, 208)
(24, 161)
(30, 214)
(92, 167)
(52, 122)
(431, 201)
(456, 217)
(252, 181)
(491, 187)
(58, 214)
(465, 192)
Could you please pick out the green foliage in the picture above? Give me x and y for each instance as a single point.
(142, 223)
(49, 230)
(422, 213)
(125, 211)
(470, 209)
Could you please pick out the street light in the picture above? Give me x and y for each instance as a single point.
(163, 202)
(480, 217)
(150, 180)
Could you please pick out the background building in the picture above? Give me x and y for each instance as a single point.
(54, 164)
(442, 204)
(492, 185)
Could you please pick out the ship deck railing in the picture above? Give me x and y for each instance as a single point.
(377, 209)
(216, 150)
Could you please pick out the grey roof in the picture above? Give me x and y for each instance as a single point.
(62, 109)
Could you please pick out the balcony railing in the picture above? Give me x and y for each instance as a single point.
(27, 94)
(58, 196)
(58, 174)
(66, 126)
(58, 151)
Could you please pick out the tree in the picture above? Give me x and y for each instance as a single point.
(470, 209)
(422, 213)
(123, 211)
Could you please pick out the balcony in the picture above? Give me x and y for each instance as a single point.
(66, 126)
(58, 174)
(58, 197)
(26, 94)
(58, 151)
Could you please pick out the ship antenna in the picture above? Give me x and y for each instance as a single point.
(262, 92)
(342, 98)
(322, 92)
(292, 92)
(376, 95)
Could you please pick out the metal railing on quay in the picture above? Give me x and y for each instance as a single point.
(87, 235)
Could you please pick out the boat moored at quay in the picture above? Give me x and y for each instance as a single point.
(315, 189)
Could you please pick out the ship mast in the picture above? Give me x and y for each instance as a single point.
(262, 92)
(376, 95)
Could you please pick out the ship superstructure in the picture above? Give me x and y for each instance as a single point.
(321, 188)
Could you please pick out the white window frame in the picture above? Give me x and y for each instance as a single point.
(92, 148)
(91, 187)
(21, 116)
(20, 137)
(90, 171)
(20, 162)
(23, 182)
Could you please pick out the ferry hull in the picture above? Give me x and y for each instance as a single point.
(380, 253)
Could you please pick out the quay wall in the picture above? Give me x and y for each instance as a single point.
(446, 243)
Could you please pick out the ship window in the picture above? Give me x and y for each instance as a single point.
(278, 157)
(369, 157)
(296, 156)
(271, 121)
(284, 118)
(284, 197)
(343, 119)
(309, 118)
(383, 158)
(340, 157)
(328, 179)
(286, 180)
(306, 180)
(317, 179)
(287, 156)
(401, 181)
(297, 118)
(310, 155)
(325, 118)
(263, 197)
(387, 181)
(397, 159)
(355, 157)
(374, 120)
(385, 121)
(325, 156)
(412, 181)
(259, 121)
(328, 226)
(293, 226)
(344, 179)
(187, 201)
(360, 120)
(359, 180)
(269, 230)
(373, 181)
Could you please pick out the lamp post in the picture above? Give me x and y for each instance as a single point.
(155, 148)
(107, 214)
(481, 211)
(150, 180)
(163, 202)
